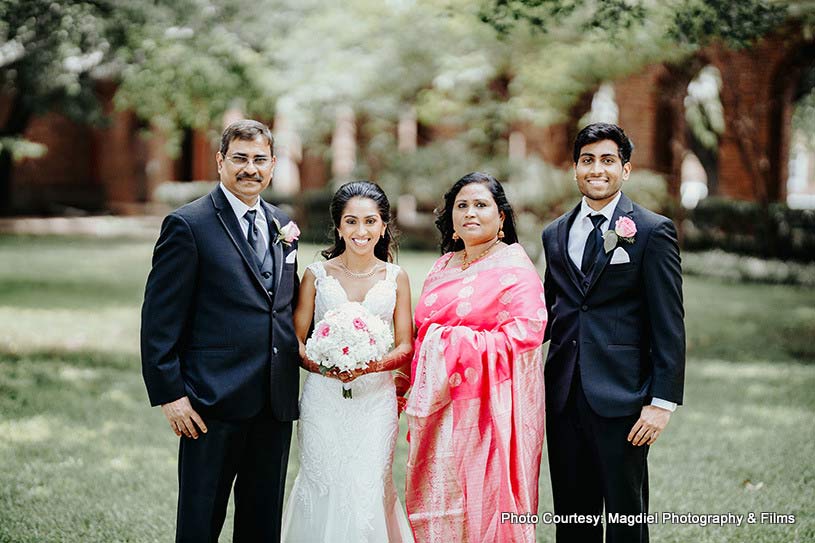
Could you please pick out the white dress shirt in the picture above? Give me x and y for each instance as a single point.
(240, 210)
(582, 227)
(579, 233)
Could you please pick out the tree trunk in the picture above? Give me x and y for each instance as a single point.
(5, 182)
(709, 158)
(755, 159)
(15, 126)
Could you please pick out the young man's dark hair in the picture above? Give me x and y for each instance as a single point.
(603, 131)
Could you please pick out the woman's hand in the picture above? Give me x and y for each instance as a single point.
(313, 367)
(333, 373)
(402, 382)
(348, 376)
(305, 362)
(401, 402)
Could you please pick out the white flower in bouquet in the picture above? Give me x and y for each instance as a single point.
(348, 338)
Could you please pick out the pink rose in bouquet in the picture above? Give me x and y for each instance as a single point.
(348, 338)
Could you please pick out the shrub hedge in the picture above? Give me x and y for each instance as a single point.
(746, 228)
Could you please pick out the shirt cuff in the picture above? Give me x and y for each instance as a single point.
(664, 404)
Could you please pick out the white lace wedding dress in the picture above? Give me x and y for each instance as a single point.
(344, 491)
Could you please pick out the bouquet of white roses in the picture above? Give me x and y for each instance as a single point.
(348, 338)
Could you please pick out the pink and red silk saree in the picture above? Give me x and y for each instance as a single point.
(476, 407)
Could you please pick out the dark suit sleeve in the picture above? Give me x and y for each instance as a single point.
(167, 301)
(663, 294)
(548, 290)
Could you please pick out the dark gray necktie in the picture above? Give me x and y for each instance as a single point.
(593, 244)
(254, 238)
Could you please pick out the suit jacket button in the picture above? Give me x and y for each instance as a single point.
(270, 291)
(584, 307)
(266, 274)
(574, 343)
(274, 350)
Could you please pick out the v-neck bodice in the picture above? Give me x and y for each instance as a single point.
(379, 300)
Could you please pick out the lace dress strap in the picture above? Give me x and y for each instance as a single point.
(392, 270)
(317, 269)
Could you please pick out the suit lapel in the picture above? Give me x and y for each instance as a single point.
(276, 249)
(624, 207)
(233, 229)
(563, 240)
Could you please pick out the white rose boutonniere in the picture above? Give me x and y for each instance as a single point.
(286, 234)
(624, 229)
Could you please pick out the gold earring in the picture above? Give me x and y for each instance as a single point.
(456, 237)
(500, 233)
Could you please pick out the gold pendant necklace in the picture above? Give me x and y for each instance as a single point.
(465, 264)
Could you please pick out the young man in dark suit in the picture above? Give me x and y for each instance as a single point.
(615, 368)
(219, 353)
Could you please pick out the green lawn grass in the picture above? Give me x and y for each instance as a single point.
(84, 459)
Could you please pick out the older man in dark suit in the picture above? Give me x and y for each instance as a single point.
(219, 353)
(616, 362)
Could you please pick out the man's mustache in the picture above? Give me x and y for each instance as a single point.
(250, 177)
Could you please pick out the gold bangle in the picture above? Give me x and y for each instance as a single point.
(401, 374)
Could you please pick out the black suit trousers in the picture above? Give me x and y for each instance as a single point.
(592, 465)
(253, 453)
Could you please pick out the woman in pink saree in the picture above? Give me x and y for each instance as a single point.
(476, 407)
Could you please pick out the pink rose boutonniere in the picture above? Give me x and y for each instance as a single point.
(287, 234)
(624, 229)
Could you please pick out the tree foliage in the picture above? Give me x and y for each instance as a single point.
(200, 60)
(183, 63)
(50, 50)
(177, 63)
(50, 53)
(803, 119)
(737, 24)
(703, 107)
(543, 15)
(694, 22)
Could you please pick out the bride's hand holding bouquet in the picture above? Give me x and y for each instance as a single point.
(347, 341)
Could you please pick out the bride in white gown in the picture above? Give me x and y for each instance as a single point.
(344, 491)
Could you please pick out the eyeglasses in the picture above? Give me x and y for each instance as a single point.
(260, 162)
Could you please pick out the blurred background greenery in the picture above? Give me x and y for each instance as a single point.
(110, 114)
(132, 95)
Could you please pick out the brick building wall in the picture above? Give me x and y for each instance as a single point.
(114, 168)
(62, 177)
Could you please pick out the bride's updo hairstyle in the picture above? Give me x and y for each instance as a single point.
(385, 247)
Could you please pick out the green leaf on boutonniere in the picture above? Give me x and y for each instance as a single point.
(279, 236)
(610, 240)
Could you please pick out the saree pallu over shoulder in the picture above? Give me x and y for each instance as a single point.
(476, 408)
